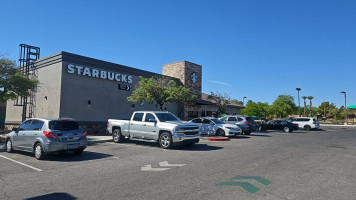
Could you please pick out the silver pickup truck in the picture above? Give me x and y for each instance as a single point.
(153, 126)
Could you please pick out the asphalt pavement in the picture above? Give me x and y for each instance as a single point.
(264, 165)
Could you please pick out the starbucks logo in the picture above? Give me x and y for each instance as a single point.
(194, 77)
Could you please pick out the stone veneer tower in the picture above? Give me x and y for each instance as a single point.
(190, 75)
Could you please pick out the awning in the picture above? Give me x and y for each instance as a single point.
(351, 107)
(202, 102)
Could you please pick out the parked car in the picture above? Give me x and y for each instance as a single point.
(214, 126)
(154, 126)
(247, 124)
(306, 123)
(43, 136)
(284, 125)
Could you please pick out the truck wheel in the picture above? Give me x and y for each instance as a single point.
(117, 136)
(165, 140)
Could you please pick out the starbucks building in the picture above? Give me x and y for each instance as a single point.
(93, 91)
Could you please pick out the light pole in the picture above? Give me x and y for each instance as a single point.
(298, 89)
(243, 100)
(343, 92)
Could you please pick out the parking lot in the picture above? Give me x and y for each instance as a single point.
(264, 165)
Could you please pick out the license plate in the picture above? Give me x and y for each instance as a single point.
(71, 146)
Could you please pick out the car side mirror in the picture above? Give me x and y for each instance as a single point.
(152, 120)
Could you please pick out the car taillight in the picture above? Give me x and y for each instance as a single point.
(248, 123)
(49, 134)
(84, 133)
(295, 125)
(107, 124)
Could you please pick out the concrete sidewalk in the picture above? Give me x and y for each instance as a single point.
(93, 139)
(337, 125)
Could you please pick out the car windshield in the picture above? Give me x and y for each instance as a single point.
(216, 121)
(163, 117)
(63, 125)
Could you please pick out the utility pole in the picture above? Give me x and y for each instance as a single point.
(298, 89)
(343, 92)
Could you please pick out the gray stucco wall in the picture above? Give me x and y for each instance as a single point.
(106, 100)
(49, 70)
(63, 94)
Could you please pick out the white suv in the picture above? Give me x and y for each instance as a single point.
(306, 123)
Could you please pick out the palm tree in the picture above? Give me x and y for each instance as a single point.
(310, 99)
(305, 104)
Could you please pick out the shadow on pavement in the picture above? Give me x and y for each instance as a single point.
(259, 135)
(197, 147)
(53, 196)
(71, 157)
(97, 142)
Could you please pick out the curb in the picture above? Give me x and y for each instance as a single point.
(219, 139)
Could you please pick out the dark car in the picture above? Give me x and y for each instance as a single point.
(246, 124)
(283, 125)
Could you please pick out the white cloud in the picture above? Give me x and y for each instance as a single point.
(218, 82)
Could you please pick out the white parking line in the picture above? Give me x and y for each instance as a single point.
(29, 166)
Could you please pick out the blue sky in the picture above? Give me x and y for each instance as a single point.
(253, 48)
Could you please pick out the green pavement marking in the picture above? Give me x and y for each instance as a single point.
(247, 186)
(257, 178)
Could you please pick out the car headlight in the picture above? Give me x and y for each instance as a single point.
(178, 129)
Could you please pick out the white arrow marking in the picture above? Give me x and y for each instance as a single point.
(165, 164)
(149, 168)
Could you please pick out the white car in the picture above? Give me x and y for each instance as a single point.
(306, 123)
(213, 126)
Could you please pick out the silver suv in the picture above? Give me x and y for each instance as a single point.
(246, 124)
(306, 123)
(42, 136)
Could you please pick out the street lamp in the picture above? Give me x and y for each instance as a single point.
(243, 100)
(298, 89)
(343, 92)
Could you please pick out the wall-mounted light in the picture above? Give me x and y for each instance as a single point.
(89, 102)
(45, 97)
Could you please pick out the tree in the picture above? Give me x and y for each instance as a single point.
(310, 100)
(12, 83)
(283, 106)
(221, 100)
(305, 104)
(160, 91)
(235, 101)
(258, 109)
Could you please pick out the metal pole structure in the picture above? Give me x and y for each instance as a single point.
(298, 89)
(343, 92)
(243, 101)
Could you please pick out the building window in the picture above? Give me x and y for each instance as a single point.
(192, 114)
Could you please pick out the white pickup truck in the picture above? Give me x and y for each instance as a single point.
(154, 126)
